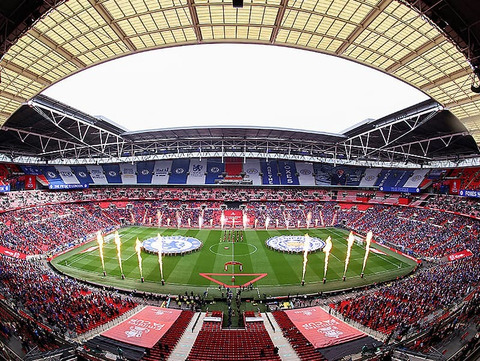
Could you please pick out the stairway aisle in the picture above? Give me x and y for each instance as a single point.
(285, 350)
(185, 344)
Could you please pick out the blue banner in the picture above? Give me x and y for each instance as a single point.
(436, 174)
(288, 172)
(179, 171)
(400, 189)
(270, 172)
(145, 172)
(52, 175)
(31, 170)
(4, 188)
(112, 173)
(66, 186)
(469, 193)
(82, 174)
(215, 168)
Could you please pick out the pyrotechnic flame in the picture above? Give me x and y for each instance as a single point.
(306, 245)
(368, 240)
(245, 220)
(138, 249)
(327, 250)
(100, 248)
(160, 251)
(222, 220)
(351, 239)
(179, 220)
(267, 222)
(159, 218)
(118, 243)
(309, 219)
(200, 221)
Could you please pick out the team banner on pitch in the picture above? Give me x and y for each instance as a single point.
(145, 328)
(322, 329)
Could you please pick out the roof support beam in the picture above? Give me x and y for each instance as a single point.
(4, 94)
(463, 101)
(57, 48)
(278, 20)
(446, 79)
(195, 21)
(369, 19)
(422, 49)
(25, 72)
(113, 25)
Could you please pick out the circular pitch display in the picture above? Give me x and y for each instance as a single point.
(294, 243)
(172, 244)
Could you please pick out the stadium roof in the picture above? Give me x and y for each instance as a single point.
(432, 45)
(46, 130)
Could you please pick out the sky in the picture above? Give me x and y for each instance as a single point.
(234, 85)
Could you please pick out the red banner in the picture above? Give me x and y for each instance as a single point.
(460, 255)
(145, 328)
(30, 182)
(233, 217)
(8, 252)
(322, 329)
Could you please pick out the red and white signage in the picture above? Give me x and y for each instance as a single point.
(145, 328)
(322, 329)
(459, 255)
(8, 252)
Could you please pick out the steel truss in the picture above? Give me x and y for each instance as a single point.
(79, 140)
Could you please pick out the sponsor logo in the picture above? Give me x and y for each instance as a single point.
(112, 173)
(328, 328)
(252, 171)
(145, 172)
(214, 170)
(305, 171)
(179, 170)
(369, 177)
(82, 174)
(51, 174)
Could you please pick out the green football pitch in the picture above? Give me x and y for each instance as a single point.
(277, 273)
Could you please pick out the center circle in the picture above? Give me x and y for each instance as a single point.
(240, 249)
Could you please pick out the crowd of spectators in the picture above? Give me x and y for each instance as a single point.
(58, 302)
(48, 229)
(405, 303)
(46, 222)
(424, 232)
